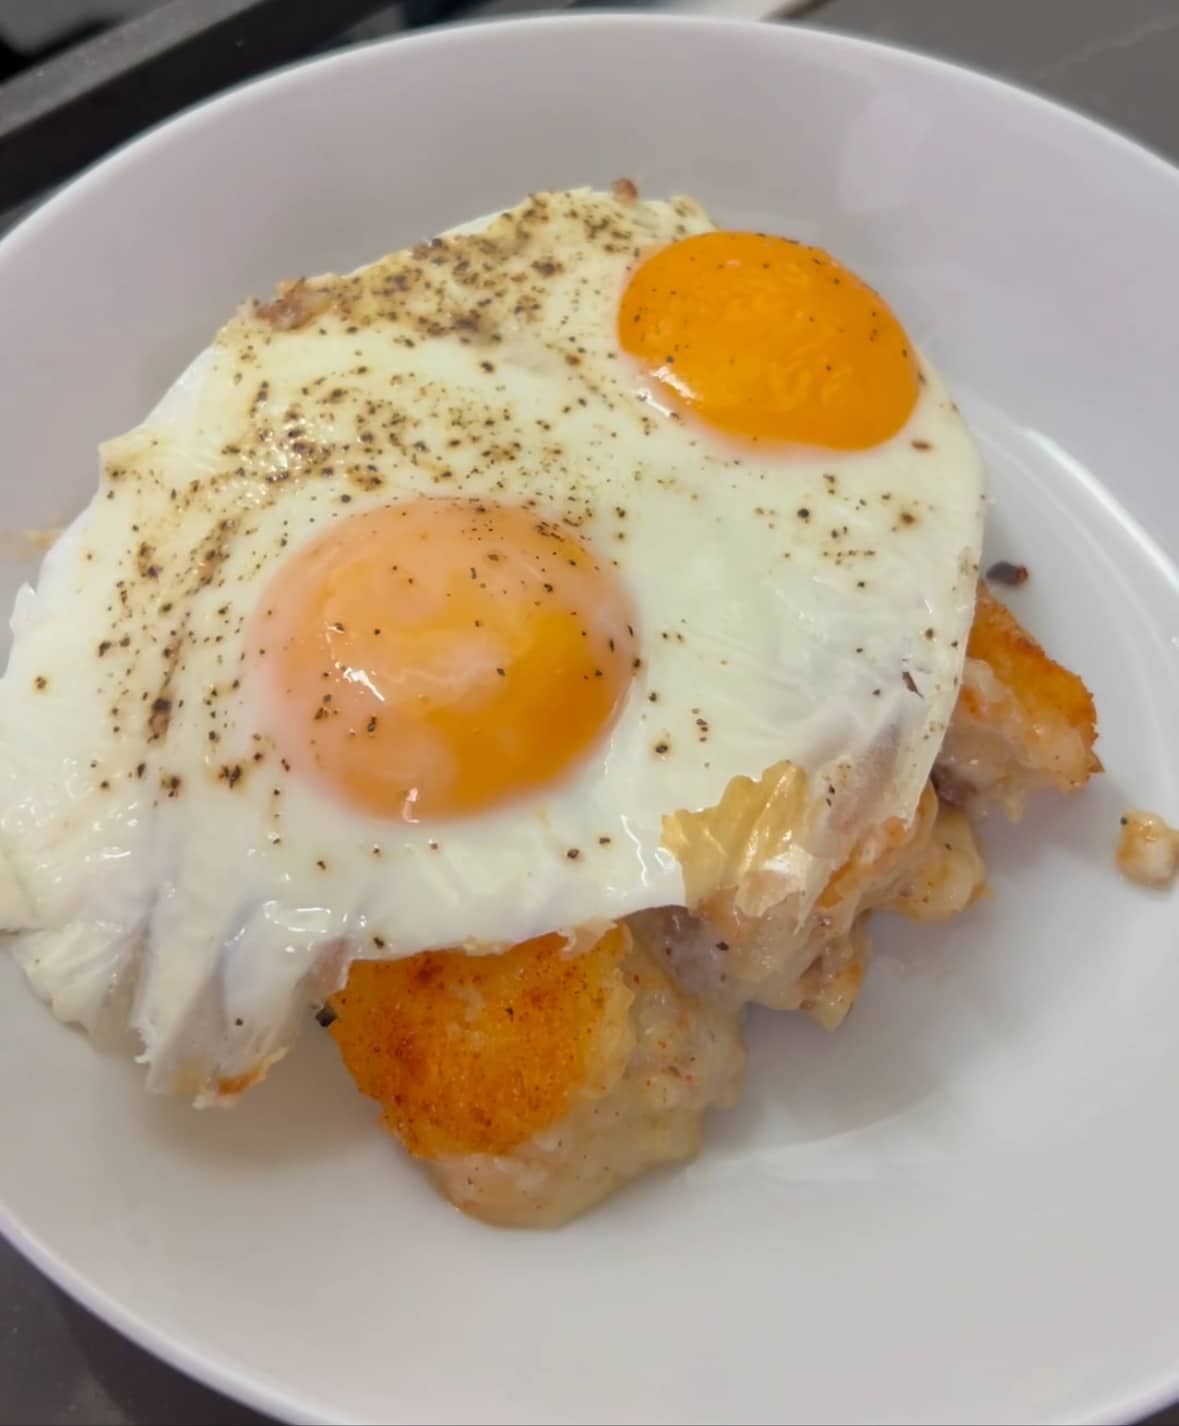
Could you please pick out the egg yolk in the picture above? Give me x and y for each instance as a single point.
(440, 657)
(769, 339)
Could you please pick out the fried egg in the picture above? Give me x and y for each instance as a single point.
(429, 594)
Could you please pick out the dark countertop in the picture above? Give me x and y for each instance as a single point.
(1116, 59)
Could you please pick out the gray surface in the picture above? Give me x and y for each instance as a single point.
(1118, 59)
(28, 24)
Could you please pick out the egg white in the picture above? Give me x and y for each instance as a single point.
(212, 909)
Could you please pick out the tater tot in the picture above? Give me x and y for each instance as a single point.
(475, 1054)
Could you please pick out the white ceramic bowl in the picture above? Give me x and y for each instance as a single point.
(962, 1206)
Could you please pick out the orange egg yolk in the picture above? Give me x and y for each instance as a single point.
(441, 657)
(768, 339)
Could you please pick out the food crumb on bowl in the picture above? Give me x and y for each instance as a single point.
(1008, 574)
(1148, 849)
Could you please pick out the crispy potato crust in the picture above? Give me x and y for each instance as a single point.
(1050, 696)
(476, 1054)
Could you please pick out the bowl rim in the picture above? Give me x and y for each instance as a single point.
(234, 1378)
